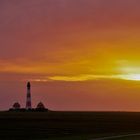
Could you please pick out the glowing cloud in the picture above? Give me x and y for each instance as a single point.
(82, 78)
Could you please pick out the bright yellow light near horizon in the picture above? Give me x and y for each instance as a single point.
(132, 77)
(130, 70)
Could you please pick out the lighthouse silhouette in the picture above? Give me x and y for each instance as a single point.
(28, 98)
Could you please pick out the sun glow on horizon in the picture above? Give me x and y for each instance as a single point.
(129, 70)
(132, 77)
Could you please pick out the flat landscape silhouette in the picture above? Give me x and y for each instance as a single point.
(53, 125)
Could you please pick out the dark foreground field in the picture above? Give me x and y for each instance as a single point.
(61, 125)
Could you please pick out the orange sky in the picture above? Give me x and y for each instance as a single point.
(78, 54)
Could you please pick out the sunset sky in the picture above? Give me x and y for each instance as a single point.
(78, 54)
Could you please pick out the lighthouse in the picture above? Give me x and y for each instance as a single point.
(28, 98)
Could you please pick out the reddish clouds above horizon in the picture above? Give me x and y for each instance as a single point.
(78, 54)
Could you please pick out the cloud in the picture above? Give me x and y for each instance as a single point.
(79, 78)
(86, 77)
(82, 78)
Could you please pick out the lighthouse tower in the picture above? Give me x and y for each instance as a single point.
(28, 99)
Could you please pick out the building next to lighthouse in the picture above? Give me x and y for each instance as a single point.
(28, 107)
(16, 106)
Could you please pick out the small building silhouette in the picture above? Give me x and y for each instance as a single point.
(16, 106)
(40, 106)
